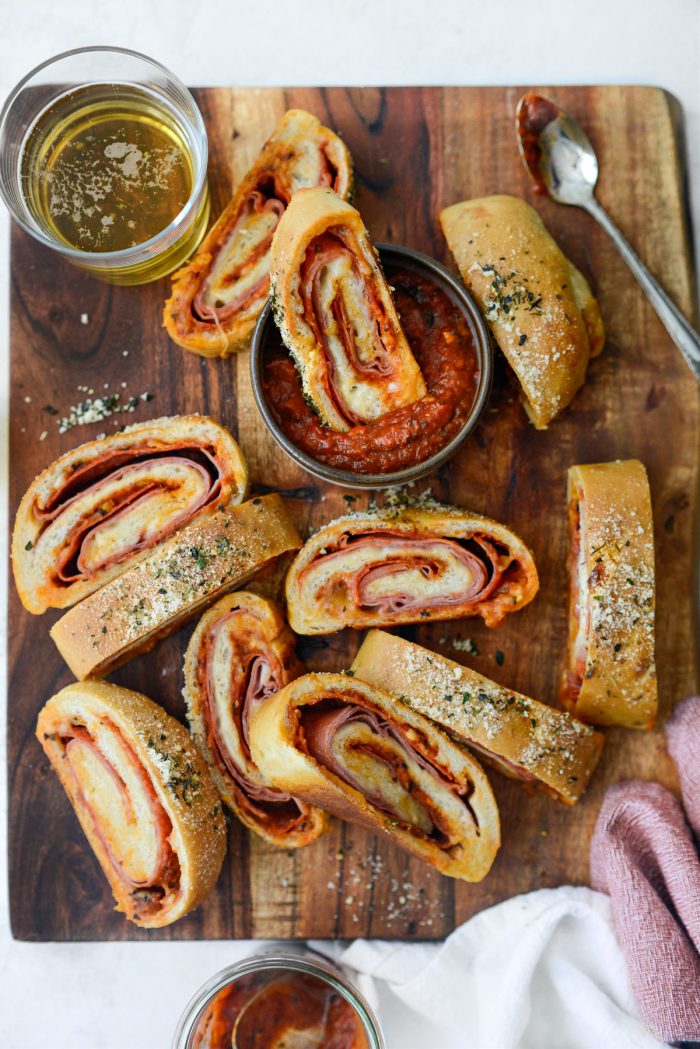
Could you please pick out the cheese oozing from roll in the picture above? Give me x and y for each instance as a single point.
(336, 315)
(539, 306)
(347, 747)
(610, 676)
(217, 298)
(102, 507)
(522, 738)
(240, 654)
(385, 568)
(143, 796)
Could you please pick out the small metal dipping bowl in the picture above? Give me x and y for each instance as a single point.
(267, 340)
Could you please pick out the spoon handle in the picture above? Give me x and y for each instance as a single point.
(681, 331)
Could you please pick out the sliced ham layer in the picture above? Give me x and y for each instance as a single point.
(127, 817)
(375, 757)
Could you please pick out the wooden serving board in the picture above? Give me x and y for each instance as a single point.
(415, 150)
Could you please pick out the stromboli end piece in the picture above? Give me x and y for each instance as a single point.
(347, 747)
(143, 795)
(193, 568)
(336, 315)
(240, 654)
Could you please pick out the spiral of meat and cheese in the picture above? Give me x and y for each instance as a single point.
(101, 508)
(610, 676)
(240, 654)
(336, 315)
(386, 568)
(341, 744)
(143, 795)
(218, 297)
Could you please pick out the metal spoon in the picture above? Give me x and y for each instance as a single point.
(561, 160)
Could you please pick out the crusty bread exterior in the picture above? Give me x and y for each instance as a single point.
(292, 157)
(264, 627)
(539, 307)
(280, 753)
(177, 772)
(35, 557)
(311, 214)
(519, 736)
(216, 554)
(325, 605)
(612, 596)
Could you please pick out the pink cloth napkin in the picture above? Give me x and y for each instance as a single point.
(644, 856)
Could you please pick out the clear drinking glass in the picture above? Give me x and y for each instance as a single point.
(89, 81)
(289, 958)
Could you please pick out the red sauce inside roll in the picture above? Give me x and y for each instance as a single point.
(443, 345)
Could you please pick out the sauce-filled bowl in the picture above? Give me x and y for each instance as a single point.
(450, 341)
(294, 998)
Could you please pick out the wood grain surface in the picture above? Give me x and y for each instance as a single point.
(415, 150)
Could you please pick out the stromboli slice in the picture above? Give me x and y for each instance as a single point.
(336, 314)
(218, 553)
(349, 748)
(241, 653)
(100, 508)
(389, 567)
(520, 737)
(217, 298)
(539, 306)
(610, 677)
(143, 795)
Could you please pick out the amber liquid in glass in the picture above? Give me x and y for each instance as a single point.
(106, 168)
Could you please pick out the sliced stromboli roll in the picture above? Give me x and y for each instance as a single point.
(389, 567)
(522, 738)
(343, 745)
(336, 315)
(538, 305)
(610, 677)
(240, 654)
(101, 508)
(218, 553)
(143, 795)
(217, 298)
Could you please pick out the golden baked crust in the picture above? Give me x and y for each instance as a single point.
(102, 507)
(610, 677)
(520, 737)
(336, 314)
(465, 836)
(199, 564)
(136, 738)
(407, 566)
(217, 298)
(240, 653)
(539, 307)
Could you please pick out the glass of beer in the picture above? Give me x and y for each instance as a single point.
(103, 157)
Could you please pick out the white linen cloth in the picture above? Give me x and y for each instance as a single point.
(539, 971)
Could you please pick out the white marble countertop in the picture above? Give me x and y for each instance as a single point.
(129, 996)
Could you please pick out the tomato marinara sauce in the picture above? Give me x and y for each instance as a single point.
(443, 345)
(270, 1010)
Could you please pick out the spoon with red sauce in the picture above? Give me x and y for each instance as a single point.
(562, 163)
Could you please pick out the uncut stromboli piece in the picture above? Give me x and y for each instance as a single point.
(539, 306)
(336, 315)
(384, 568)
(220, 552)
(240, 654)
(99, 509)
(217, 298)
(522, 738)
(143, 795)
(349, 748)
(610, 676)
